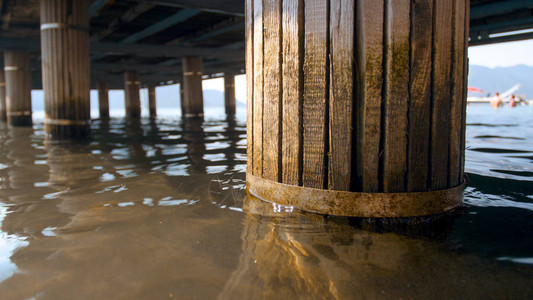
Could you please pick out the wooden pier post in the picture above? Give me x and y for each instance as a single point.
(192, 102)
(229, 93)
(65, 67)
(151, 101)
(103, 99)
(18, 88)
(357, 107)
(132, 94)
(3, 116)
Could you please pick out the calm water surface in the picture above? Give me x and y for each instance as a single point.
(156, 210)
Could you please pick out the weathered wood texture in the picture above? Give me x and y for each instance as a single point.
(152, 105)
(65, 67)
(18, 88)
(193, 99)
(357, 95)
(103, 99)
(229, 93)
(2, 94)
(249, 37)
(132, 94)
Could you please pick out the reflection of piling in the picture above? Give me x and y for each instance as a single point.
(193, 133)
(365, 97)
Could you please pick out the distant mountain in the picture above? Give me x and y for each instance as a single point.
(501, 79)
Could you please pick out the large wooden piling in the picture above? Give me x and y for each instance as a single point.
(65, 67)
(192, 102)
(152, 106)
(3, 116)
(18, 88)
(103, 99)
(229, 93)
(132, 94)
(359, 102)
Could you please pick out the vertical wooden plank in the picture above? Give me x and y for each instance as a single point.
(132, 94)
(369, 30)
(152, 105)
(465, 87)
(440, 123)
(341, 94)
(18, 88)
(272, 89)
(229, 93)
(456, 110)
(249, 83)
(193, 99)
(420, 95)
(258, 88)
(103, 99)
(292, 90)
(315, 93)
(2, 94)
(396, 95)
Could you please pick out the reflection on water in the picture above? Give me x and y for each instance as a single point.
(156, 209)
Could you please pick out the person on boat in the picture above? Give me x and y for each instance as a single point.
(512, 101)
(496, 101)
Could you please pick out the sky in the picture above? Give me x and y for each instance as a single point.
(502, 55)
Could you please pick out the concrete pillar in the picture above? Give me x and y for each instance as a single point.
(65, 67)
(132, 94)
(103, 99)
(357, 108)
(18, 88)
(3, 116)
(192, 102)
(229, 93)
(151, 101)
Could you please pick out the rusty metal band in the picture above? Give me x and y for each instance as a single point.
(19, 113)
(48, 26)
(355, 204)
(193, 115)
(133, 82)
(11, 68)
(65, 122)
(193, 73)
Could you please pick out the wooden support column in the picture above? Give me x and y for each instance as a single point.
(18, 88)
(3, 116)
(356, 107)
(132, 94)
(192, 103)
(229, 93)
(65, 67)
(151, 101)
(103, 99)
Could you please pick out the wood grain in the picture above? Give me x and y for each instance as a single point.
(369, 31)
(396, 95)
(420, 95)
(272, 90)
(341, 93)
(249, 84)
(315, 94)
(457, 99)
(258, 89)
(440, 119)
(293, 39)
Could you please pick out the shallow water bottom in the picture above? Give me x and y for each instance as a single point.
(156, 209)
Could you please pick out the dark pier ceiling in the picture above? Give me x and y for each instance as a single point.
(152, 37)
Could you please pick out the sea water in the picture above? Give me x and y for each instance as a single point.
(156, 209)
